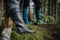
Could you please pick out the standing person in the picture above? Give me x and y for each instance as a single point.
(13, 11)
(25, 10)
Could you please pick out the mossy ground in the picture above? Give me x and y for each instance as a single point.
(48, 32)
(40, 34)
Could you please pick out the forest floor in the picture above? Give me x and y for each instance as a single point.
(43, 32)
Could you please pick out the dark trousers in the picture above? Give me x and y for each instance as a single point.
(25, 4)
(36, 2)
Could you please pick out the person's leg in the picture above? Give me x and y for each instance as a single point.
(16, 16)
(37, 10)
(25, 11)
(21, 4)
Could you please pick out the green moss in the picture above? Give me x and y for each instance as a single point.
(40, 34)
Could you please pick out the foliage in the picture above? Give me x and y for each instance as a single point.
(46, 19)
(40, 34)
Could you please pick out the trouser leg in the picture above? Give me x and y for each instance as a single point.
(25, 11)
(21, 4)
(37, 9)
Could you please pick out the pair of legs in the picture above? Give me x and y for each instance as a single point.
(13, 11)
(25, 9)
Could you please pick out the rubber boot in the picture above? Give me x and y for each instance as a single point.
(25, 16)
(16, 16)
